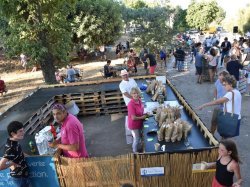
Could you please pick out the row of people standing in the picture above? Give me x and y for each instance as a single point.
(218, 56)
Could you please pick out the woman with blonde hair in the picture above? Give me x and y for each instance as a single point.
(135, 117)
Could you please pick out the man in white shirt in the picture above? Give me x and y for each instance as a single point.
(126, 85)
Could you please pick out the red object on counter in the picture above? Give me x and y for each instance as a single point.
(53, 131)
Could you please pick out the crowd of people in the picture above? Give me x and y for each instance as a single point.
(228, 57)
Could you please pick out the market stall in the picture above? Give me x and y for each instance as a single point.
(150, 168)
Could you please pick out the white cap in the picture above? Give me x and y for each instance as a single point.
(124, 72)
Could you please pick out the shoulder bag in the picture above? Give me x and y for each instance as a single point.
(246, 59)
(228, 125)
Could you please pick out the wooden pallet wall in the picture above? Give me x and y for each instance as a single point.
(96, 103)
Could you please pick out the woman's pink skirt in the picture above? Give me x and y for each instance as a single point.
(152, 69)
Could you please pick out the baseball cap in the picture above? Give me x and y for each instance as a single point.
(124, 72)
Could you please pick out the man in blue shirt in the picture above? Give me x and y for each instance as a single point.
(219, 92)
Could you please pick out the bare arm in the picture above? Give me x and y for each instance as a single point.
(127, 95)
(5, 163)
(133, 117)
(236, 169)
(215, 93)
(215, 102)
(73, 147)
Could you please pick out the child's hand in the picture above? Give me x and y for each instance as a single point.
(204, 165)
(236, 185)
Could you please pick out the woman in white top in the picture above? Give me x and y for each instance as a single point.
(229, 82)
(212, 63)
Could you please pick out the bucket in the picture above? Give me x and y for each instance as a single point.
(72, 108)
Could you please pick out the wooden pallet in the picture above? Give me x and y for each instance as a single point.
(111, 97)
(39, 118)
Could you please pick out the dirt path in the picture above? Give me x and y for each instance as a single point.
(20, 83)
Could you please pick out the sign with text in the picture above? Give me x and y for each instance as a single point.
(41, 169)
(153, 171)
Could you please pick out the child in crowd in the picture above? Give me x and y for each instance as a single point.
(3, 88)
(13, 157)
(226, 166)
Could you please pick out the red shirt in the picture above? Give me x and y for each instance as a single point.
(72, 133)
(135, 108)
(2, 86)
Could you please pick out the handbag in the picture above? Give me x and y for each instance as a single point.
(228, 125)
(246, 59)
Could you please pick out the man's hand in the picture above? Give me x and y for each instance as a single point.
(53, 144)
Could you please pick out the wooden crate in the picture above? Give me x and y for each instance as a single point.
(39, 119)
(111, 97)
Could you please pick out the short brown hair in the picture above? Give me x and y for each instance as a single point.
(224, 73)
(230, 79)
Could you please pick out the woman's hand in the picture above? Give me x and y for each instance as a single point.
(145, 116)
(200, 107)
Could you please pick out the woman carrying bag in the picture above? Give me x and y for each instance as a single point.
(229, 118)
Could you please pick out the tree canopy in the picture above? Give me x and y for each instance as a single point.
(201, 14)
(180, 23)
(151, 24)
(97, 22)
(39, 29)
(244, 19)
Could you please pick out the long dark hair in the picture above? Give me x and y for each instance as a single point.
(231, 146)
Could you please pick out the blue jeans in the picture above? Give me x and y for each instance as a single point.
(180, 65)
(223, 54)
(21, 182)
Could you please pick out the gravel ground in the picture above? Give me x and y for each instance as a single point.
(197, 94)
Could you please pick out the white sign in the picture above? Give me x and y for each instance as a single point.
(153, 171)
(162, 79)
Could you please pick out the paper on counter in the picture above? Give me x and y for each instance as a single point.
(171, 103)
(162, 79)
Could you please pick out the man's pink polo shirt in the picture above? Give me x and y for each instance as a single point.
(72, 133)
(135, 108)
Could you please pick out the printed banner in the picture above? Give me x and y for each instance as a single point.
(42, 172)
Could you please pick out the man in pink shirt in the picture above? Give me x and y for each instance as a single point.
(72, 139)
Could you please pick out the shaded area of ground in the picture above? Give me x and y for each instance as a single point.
(105, 135)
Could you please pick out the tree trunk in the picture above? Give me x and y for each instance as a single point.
(48, 69)
(47, 59)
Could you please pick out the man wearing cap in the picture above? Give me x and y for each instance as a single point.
(126, 85)
(72, 140)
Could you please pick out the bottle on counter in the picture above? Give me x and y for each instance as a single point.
(32, 147)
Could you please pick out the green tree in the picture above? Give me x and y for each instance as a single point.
(40, 29)
(180, 23)
(97, 22)
(151, 25)
(244, 19)
(201, 14)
